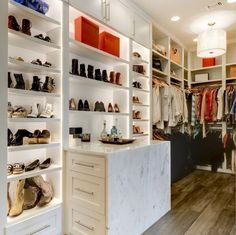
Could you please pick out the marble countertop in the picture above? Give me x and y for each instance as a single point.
(98, 148)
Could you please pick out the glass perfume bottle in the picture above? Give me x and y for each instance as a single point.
(103, 134)
(114, 131)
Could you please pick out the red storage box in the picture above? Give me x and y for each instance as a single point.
(109, 43)
(206, 62)
(86, 31)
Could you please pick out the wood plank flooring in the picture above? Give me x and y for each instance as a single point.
(203, 203)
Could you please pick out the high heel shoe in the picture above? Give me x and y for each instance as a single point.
(72, 104)
(110, 108)
(112, 77)
(116, 108)
(104, 76)
(118, 79)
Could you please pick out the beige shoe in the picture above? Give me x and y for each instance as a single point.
(17, 207)
(8, 199)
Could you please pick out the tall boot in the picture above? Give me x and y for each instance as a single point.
(90, 71)
(8, 199)
(20, 83)
(18, 137)
(10, 83)
(98, 75)
(75, 67)
(26, 26)
(34, 111)
(48, 111)
(49, 85)
(104, 76)
(36, 85)
(12, 23)
(82, 71)
(17, 206)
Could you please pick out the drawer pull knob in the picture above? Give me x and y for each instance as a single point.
(86, 226)
(83, 164)
(39, 230)
(83, 191)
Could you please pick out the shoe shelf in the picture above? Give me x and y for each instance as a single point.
(40, 21)
(33, 173)
(95, 83)
(206, 68)
(139, 75)
(97, 113)
(93, 53)
(141, 90)
(159, 54)
(22, 40)
(141, 105)
(36, 211)
(159, 72)
(29, 120)
(33, 147)
(26, 67)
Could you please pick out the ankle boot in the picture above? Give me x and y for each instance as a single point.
(90, 71)
(26, 26)
(75, 67)
(112, 77)
(18, 137)
(20, 83)
(48, 85)
(104, 76)
(98, 75)
(82, 71)
(10, 137)
(8, 199)
(10, 83)
(47, 112)
(36, 85)
(118, 79)
(12, 23)
(17, 206)
(34, 111)
(80, 105)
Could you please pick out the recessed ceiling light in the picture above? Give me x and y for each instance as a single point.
(175, 18)
(195, 39)
(231, 1)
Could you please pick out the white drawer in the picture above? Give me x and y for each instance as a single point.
(46, 224)
(84, 222)
(87, 164)
(88, 191)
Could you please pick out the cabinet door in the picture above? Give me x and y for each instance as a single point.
(118, 16)
(141, 30)
(95, 8)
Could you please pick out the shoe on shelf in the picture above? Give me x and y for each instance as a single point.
(20, 83)
(72, 104)
(118, 79)
(75, 67)
(9, 169)
(18, 58)
(18, 168)
(12, 23)
(9, 110)
(138, 115)
(39, 36)
(32, 196)
(26, 26)
(10, 137)
(134, 129)
(47, 39)
(136, 55)
(98, 75)
(136, 100)
(33, 165)
(49, 85)
(97, 106)
(110, 108)
(47, 112)
(90, 71)
(19, 112)
(47, 64)
(104, 76)
(10, 83)
(36, 85)
(116, 108)
(45, 137)
(138, 130)
(18, 137)
(45, 164)
(34, 113)
(8, 199)
(37, 62)
(80, 105)
(82, 70)
(86, 106)
(17, 206)
(102, 107)
(112, 76)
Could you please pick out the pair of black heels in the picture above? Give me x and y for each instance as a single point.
(20, 83)
(137, 85)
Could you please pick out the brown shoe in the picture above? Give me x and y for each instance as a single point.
(112, 77)
(72, 104)
(117, 110)
(118, 79)
(110, 108)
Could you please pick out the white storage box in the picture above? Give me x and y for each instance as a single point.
(201, 77)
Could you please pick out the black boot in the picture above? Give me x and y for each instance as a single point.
(10, 83)
(80, 105)
(20, 83)
(49, 85)
(104, 76)
(98, 75)
(82, 71)
(75, 67)
(86, 106)
(90, 71)
(18, 137)
(36, 85)
(10, 137)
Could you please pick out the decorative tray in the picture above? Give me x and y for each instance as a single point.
(119, 142)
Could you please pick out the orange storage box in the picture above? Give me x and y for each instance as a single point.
(109, 43)
(206, 62)
(86, 31)
(232, 71)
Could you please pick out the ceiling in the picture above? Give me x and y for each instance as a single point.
(194, 16)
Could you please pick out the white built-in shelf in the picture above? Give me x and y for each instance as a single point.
(230, 79)
(140, 135)
(230, 64)
(33, 147)
(36, 211)
(140, 90)
(206, 68)
(29, 120)
(20, 92)
(159, 72)
(176, 78)
(209, 81)
(141, 105)
(22, 40)
(26, 67)
(139, 61)
(78, 112)
(92, 83)
(84, 50)
(159, 54)
(33, 173)
(176, 64)
(39, 21)
(140, 75)
(140, 120)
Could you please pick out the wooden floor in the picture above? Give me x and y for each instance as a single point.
(203, 203)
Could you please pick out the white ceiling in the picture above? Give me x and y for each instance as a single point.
(194, 17)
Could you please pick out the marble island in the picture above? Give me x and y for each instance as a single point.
(117, 189)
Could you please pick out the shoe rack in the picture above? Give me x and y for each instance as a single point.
(30, 48)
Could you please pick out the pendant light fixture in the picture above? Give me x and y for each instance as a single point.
(211, 43)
